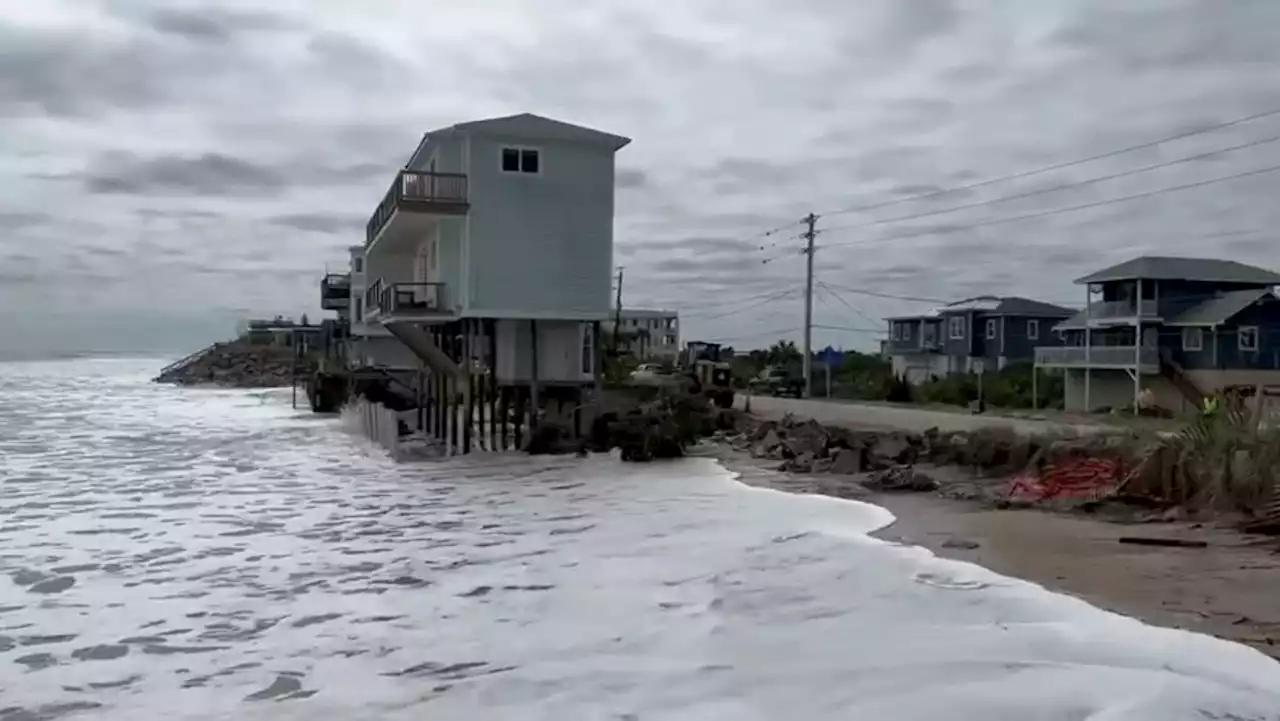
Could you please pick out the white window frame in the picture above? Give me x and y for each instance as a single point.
(520, 150)
(992, 331)
(1190, 332)
(587, 351)
(1033, 329)
(956, 327)
(1241, 335)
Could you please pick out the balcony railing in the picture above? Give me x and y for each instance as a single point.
(1117, 309)
(1097, 356)
(386, 300)
(335, 291)
(419, 191)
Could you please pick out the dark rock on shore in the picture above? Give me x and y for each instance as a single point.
(236, 364)
(643, 428)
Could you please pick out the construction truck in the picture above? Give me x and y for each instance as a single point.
(708, 374)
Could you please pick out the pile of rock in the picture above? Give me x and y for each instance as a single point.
(236, 364)
(642, 430)
(806, 446)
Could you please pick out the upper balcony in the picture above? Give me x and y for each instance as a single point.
(421, 302)
(335, 291)
(1146, 359)
(414, 202)
(1110, 312)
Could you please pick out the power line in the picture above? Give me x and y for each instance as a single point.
(846, 303)
(1053, 211)
(751, 306)
(737, 301)
(890, 296)
(777, 333)
(1056, 166)
(1067, 186)
(848, 329)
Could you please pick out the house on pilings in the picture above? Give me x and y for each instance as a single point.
(490, 258)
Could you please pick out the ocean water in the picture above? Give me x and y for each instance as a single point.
(213, 554)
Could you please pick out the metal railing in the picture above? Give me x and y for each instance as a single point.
(335, 291)
(1109, 309)
(416, 187)
(1098, 355)
(412, 299)
(373, 298)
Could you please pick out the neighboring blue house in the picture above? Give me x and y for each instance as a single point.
(984, 333)
(1204, 325)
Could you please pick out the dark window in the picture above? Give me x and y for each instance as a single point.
(357, 265)
(1248, 337)
(510, 160)
(358, 313)
(529, 161)
(521, 160)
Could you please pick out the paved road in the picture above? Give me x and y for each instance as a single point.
(908, 419)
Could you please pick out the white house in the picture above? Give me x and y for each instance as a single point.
(370, 344)
(495, 244)
(649, 334)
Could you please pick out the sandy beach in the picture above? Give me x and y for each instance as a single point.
(1226, 589)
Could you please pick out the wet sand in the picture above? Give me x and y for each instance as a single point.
(1228, 589)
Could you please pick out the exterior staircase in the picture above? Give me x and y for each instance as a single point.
(1174, 372)
(418, 340)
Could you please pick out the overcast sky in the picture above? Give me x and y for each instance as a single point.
(167, 168)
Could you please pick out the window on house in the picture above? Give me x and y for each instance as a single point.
(1192, 339)
(956, 324)
(588, 350)
(991, 329)
(1247, 338)
(1033, 330)
(898, 331)
(521, 160)
(357, 312)
(357, 265)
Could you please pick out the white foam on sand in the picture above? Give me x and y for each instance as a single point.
(203, 554)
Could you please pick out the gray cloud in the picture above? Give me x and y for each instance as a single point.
(330, 223)
(226, 156)
(210, 174)
(217, 25)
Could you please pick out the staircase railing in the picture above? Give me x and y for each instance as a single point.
(1174, 371)
(189, 357)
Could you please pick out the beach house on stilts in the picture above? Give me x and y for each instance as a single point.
(490, 257)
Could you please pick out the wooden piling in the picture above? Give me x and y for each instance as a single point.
(534, 400)
(493, 385)
(468, 412)
(518, 417)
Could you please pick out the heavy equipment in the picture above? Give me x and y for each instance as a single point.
(709, 374)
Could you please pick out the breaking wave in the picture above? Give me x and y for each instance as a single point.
(203, 554)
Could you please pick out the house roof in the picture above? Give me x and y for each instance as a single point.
(526, 125)
(1211, 311)
(1218, 309)
(1008, 305)
(537, 126)
(1173, 268)
(994, 305)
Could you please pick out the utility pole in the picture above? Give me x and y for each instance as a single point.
(809, 234)
(617, 313)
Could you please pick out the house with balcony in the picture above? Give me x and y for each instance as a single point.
(646, 334)
(1168, 331)
(367, 344)
(979, 334)
(493, 248)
